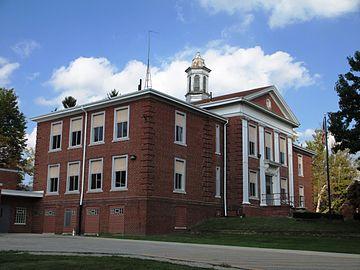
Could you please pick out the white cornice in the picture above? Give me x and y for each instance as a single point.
(22, 193)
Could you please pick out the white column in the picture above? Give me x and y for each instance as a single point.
(276, 187)
(262, 167)
(276, 146)
(291, 173)
(245, 161)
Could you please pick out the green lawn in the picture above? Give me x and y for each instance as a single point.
(16, 260)
(283, 233)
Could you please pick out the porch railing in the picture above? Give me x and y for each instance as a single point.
(277, 199)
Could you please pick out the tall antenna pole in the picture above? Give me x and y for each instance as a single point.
(148, 83)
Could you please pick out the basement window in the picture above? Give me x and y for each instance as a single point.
(20, 216)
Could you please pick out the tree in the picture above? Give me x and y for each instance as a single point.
(69, 102)
(12, 130)
(353, 194)
(112, 93)
(342, 173)
(345, 123)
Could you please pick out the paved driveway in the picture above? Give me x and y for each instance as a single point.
(193, 254)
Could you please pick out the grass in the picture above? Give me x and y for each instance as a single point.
(15, 260)
(282, 233)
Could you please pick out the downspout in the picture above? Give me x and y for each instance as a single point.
(225, 170)
(83, 171)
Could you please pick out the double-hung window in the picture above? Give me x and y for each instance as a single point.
(217, 138)
(119, 173)
(97, 127)
(283, 151)
(252, 140)
(75, 132)
(268, 146)
(53, 179)
(253, 184)
(179, 175)
(73, 176)
(284, 189)
(55, 136)
(218, 179)
(301, 197)
(300, 165)
(180, 127)
(95, 174)
(121, 123)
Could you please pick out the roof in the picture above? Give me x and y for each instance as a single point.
(22, 193)
(303, 149)
(126, 97)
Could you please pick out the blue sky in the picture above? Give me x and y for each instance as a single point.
(51, 49)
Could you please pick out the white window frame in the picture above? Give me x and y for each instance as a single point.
(68, 178)
(115, 138)
(217, 140)
(287, 189)
(92, 129)
(20, 218)
(71, 131)
(302, 205)
(113, 176)
(285, 153)
(183, 182)
(300, 171)
(271, 145)
(218, 182)
(102, 175)
(183, 142)
(48, 192)
(255, 142)
(256, 197)
(51, 136)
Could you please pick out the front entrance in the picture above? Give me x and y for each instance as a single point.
(269, 190)
(4, 218)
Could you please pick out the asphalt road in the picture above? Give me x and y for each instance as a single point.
(191, 254)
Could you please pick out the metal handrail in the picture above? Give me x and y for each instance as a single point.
(283, 198)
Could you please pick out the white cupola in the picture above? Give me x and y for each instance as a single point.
(197, 80)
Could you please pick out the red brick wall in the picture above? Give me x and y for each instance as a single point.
(9, 179)
(262, 102)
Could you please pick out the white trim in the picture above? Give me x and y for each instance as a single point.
(303, 188)
(225, 170)
(262, 166)
(245, 161)
(51, 137)
(113, 188)
(83, 158)
(70, 132)
(183, 182)
(22, 193)
(256, 140)
(183, 142)
(256, 197)
(48, 180)
(276, 147)
(68, 178)
(300, 158)
(92, 129)
(217, 140)
(89, 175)
(115, 139)
(291, 172)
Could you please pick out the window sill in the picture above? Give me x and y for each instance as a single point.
(71, 192)
(22, 224)
(180, 143)
(96, 143)
(54, 150)
(218, 153)
(179, 191)
(52, 194)
(301, 175)
(253, 156)
(254, 198)
(74, 147)
(218, 197)
(120, 139)
(94, 191)
(119, 189)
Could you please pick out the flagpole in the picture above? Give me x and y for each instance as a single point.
(327, 165)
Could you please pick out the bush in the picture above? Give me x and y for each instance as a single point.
(312, 215)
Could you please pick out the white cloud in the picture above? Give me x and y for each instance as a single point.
(6, 69)
(31, 138)
(33, 76)
(284, 12)
(233, 69)
(305, 135)
(25, 48)
(238, 28)
(179, 12)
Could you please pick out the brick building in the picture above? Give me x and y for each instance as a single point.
(146, 162)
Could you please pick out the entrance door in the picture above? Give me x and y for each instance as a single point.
(4, 218)
(92, 220)
(269, 190)
(116, 219)
(49, 221)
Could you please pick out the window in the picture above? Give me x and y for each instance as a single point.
(253, 184)
(301, 197)
(189, 84)
(218, 177)
(55, 137)
(75, 132)
(300, 166)
(284, 189)
(283, 151)
(53, 179)
(268, 146)
(204, 84)
(97, 130)
(119, 172)
(20, 216)
(73, 176)
(121, 123)
(196, 83)
(92, 211)
(67, 217)
(180, 127)
(117, 211)
(217, 144)
(268, 104)
(252, 140)
(179, 181)
(95, 175)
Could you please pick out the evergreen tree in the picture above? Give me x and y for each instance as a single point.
(69, 102)
(345, 123)
(112, 93)
(12, 130)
